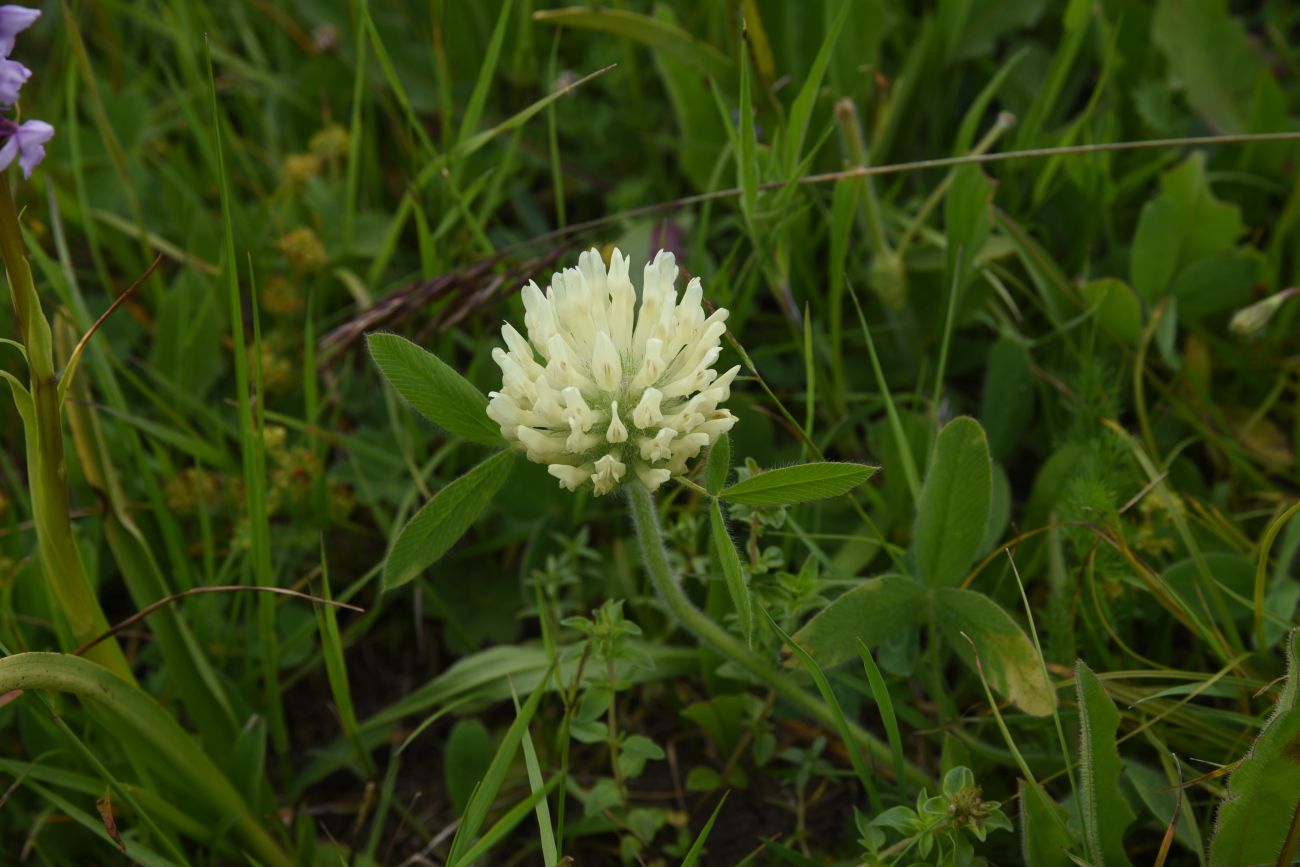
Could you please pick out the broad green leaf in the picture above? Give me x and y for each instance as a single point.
(1044, 839)
(871, 612)
(132, 714)
(1156, 245)
(1116, 307)
(467, 756)
(1183, 225)
(652, 32)
(1218, 284)
(437, 392)
(1210, 59)
(1010, 663)
(1007, 404)
(1104, 811)
(798, 484)
(718, 465)
(732, 571)
(444, 519)
(953, 510)
(1264, 791)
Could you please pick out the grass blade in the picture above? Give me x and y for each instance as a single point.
(828, 696)
(477, 809)
(880, 692)
(697, 848)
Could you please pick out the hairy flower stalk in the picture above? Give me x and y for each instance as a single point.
(602, 396)
(655, 557)
(607, 399)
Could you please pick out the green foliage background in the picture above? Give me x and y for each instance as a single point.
(1084, 455)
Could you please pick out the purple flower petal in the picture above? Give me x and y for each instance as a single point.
(8, 152)
(32, 136)
(14, 20)
(27, 142)
(13, 75)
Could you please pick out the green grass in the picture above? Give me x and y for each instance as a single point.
(841, 174)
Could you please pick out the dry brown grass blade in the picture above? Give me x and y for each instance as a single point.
(477, 280)
(1168, 839)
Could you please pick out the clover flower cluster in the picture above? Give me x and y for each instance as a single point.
(595, 390)
(25, 140)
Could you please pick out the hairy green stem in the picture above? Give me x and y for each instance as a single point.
(655, 557)
(47, 468)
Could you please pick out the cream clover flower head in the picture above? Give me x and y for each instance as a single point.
(595, 391)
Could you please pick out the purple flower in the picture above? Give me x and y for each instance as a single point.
(26, 141)
(13, 75)
(14, 20)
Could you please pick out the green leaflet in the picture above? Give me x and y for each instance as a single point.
(798, 484)
(1006, 654)
(1007, 402)
(444, 519)
(468, 754)
(1185, 224)
(437, 392)
(953, 510)
(718, 465)
(871, 613)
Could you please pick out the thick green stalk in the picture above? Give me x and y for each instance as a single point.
(655, 557)
(47, 468)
